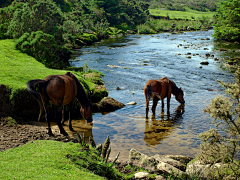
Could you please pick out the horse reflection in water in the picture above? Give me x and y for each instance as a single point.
(160, 89)
(157, 130)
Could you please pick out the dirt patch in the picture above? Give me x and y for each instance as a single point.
(17, 133)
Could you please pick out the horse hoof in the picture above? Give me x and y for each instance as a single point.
(50, 133)
(65, 134)
(71, 129)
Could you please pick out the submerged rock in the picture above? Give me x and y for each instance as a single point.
(204, 63)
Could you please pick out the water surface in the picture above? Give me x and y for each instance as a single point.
(128, 63)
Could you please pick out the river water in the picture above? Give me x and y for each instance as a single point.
(128, 63)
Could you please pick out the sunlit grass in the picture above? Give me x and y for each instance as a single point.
(18, 68)
(42, 160)
(188, 14)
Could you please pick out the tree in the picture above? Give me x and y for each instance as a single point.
(228, 18)
(224, 147)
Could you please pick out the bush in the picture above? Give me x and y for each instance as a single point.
(44, 48)
(222, 146)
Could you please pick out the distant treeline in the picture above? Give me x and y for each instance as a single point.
(180, 5)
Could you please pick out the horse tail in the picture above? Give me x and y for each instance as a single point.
(149, 92)
(32, 88)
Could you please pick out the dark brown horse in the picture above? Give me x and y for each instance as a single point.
(60, 90)
(158, 90)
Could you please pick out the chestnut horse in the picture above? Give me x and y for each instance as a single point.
(158, 90)
(60, 90)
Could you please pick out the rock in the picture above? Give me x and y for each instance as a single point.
(132, 103)
(118, 88)
(99, 93)
(177, 161)
(159, 177)
(112, 66)
(141, 175)
(189, 57)
(169, 169)
(207, 55)
(204, 63)
(223, 49)
(108, 104)
(197, 167)
(141, 160)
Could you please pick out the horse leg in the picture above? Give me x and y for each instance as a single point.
(155, 101)
(58, 118)
(162, 101)
(147, 108)
(70, 116)
(168, 104)
(63, 115)
(47, 116)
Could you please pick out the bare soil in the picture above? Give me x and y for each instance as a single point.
(19, 133)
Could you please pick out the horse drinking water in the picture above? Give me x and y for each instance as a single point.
(60, 90)
(158, 90)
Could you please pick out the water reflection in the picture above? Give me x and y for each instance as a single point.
(156, 130)
(81, 126)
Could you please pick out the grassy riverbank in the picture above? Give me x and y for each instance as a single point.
(18, 68)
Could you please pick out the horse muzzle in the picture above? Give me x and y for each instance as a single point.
(89, 120)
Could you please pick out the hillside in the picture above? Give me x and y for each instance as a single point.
(181, 5)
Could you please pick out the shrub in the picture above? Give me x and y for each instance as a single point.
(222, 146)
(44, 48)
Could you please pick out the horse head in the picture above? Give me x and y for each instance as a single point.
(179, 96)
(86, 112)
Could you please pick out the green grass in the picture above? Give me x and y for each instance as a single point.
(18, 68)
(43, 159)
(188, 14)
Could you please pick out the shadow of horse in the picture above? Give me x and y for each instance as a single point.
(60, 90)
(157, 130)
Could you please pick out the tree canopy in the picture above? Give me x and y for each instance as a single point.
(228, 18)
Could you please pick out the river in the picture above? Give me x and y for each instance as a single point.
(128, 62)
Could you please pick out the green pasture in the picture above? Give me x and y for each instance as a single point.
(18, 68)
(188, 14)
(43, 159)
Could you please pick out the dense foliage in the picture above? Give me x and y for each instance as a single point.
(228, 18)
(65, 24)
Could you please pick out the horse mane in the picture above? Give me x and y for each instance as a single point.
(81, 95)
(176, 90)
